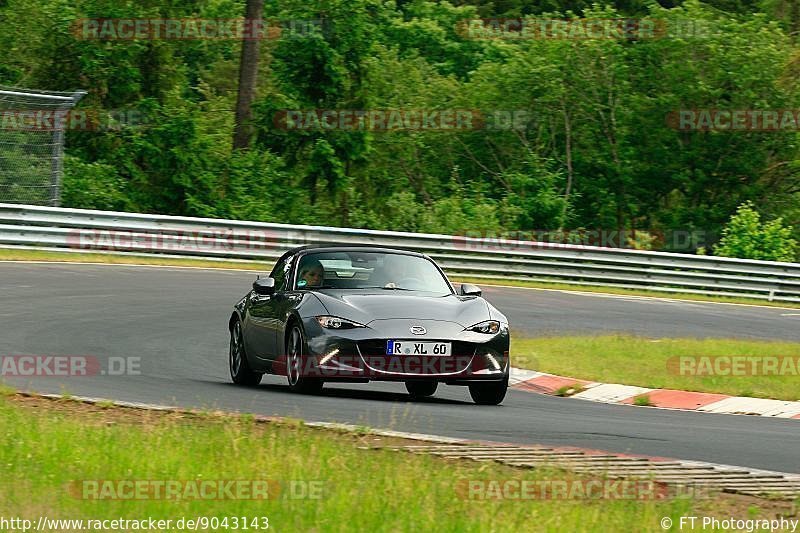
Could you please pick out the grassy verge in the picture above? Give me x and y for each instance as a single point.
(627, 292)
(48, 445)
(13, 254)
(652, 363)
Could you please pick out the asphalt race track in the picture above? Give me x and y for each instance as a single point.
(175, 321)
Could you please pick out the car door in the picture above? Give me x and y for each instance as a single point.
(283, 303)
(260, 325)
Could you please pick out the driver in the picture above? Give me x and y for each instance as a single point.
(311, 274)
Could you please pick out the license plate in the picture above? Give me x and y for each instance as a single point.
(394, 347)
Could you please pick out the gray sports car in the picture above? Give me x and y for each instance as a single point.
(356, 314)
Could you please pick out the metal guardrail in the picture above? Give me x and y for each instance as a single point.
(108, 231)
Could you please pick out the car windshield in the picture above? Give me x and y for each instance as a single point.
(370, 270)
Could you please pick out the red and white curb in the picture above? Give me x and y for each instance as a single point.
(543, 383)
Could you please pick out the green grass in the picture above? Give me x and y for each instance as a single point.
(15, 254)
(625, 292)
(569, 390)
(644, 362)
(45, 449)
(642, 401)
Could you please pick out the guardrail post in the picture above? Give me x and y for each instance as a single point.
(57, 164)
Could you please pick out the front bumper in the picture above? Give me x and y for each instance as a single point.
(360, 353)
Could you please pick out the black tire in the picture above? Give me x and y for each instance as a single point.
(294, 365)
(490, 393)
(421, 389)
(241, 373)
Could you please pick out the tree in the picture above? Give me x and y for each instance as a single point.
(248, 75)
(747, 237)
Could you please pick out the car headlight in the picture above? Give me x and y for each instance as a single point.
(490, 326)
(334, 322)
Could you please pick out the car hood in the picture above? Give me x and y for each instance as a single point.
(365, 307)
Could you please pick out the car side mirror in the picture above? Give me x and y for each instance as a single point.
(468, 289)
(264, 286)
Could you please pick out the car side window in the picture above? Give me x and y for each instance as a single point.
(281, 273)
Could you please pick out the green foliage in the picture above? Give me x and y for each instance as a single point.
(592, 149)
(747, 237)
(455, 214)
(93, 186)
(642, 240)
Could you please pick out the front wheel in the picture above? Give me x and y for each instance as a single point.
(490, 393)
(421, 389)
(294, 365)
(241, 373)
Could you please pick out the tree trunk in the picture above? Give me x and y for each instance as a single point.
(568, 156)
(248, 73)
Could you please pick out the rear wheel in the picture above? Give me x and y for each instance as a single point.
(421, 389)
(489, 393)
(294, 365)
(241, 373)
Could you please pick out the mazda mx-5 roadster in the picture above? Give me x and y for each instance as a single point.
(360, 314)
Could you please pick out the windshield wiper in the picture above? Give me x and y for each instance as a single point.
(368, 287)
(361, 288)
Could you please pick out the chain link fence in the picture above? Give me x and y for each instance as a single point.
(32, 126)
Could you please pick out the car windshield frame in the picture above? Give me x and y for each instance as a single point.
(446, 288)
